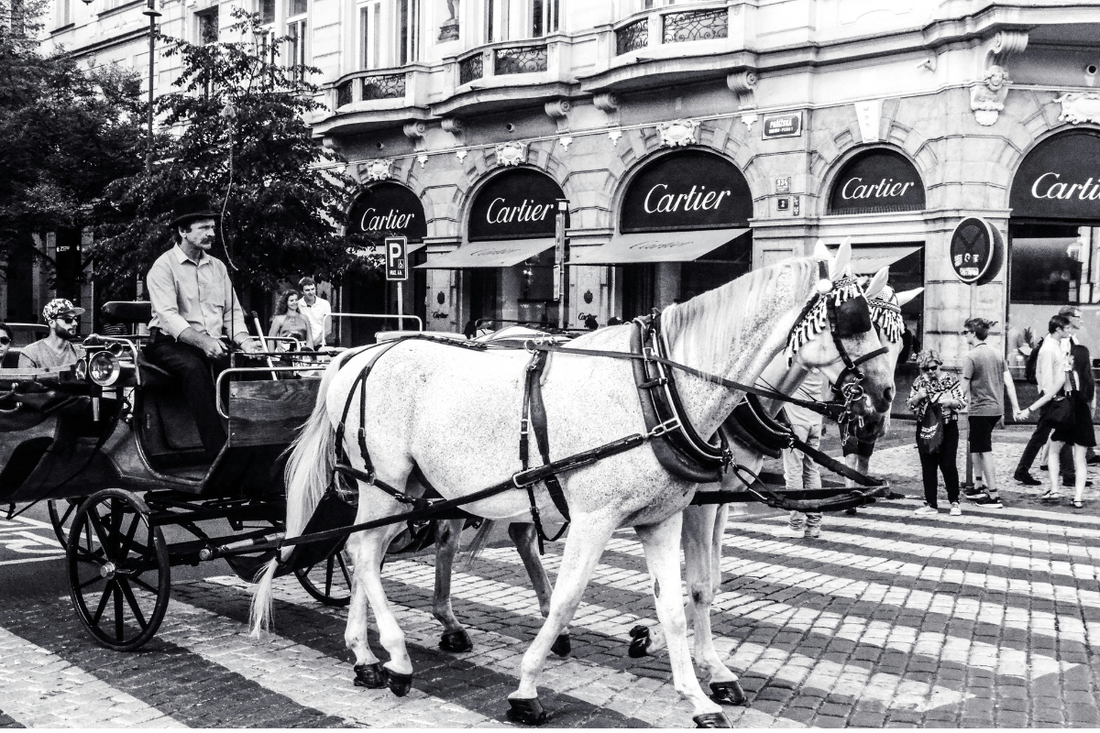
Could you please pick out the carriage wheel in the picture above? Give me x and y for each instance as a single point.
(329, 581)
(61, 510)
(119, 572)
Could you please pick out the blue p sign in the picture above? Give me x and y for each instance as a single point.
(397, 259)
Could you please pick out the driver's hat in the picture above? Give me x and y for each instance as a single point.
(60, 307)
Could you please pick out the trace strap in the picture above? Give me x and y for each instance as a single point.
(534, 418)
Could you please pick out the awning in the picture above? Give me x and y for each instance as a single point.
(869, 260)
(624, 249)
(503, 253)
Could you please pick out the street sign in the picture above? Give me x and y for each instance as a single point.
(976, 250)
(397, 258)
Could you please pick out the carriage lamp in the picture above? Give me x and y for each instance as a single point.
(80, 369)
(103, 369)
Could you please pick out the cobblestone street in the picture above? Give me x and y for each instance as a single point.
(991, 619)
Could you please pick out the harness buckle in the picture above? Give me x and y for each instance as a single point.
(664, 428)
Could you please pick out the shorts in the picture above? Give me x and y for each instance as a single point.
(857, 447)
(981, 432)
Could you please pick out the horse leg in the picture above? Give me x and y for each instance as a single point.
(524, 538)
(702, 553)
(369, 553)
(447, 534)
(587, 539)
(660, 543)
(368, 670)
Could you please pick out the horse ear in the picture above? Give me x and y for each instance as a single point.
(908, 295)
(843, 258)
(878, 282)
(821, 252)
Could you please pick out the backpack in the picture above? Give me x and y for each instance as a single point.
(1032, 360)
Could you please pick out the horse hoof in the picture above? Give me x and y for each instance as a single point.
(712, 720)
(639, 646)
(727, 693)
(370, 675)
(399, 684)
(562, 647)
(527, 712)
(456, 641)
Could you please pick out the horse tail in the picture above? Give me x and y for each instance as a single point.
(478, 544)
(309, 468)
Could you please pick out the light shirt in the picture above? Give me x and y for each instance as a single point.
(1050, 365)
(189, 294)
(985, 369)
(40, 355)
(810, 390)
(316, 315)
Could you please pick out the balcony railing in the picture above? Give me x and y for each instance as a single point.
(632, 37)
(471, 68)
(696, 25)
(520, 60)
(384, 86)
(344, 94)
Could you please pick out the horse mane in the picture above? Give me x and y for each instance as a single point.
(711, 310)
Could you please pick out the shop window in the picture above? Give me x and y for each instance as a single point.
(1052, 265)
(206, 25)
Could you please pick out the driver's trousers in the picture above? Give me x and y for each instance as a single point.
(197, 371)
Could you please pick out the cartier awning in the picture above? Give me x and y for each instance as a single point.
(499, 253)
(869, 260)
(626, 249)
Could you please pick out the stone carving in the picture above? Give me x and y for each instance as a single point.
(615, 135)
(1078, 108)
(743, 84)
(987, 99)
(461, 153)
(750, 119)
(511, 154)
(565, 142)
(422, 159)
(606, 102)
(558, 108)
(377, 170)
(448, 31)
(415, 130)
(677, 133)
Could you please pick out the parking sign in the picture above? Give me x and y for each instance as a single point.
(397, 258)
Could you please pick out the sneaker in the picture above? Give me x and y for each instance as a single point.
(813, 532)
(927, 510)
(1026, 478)
(851, 511)
(956, 510)
(791, 533)
(988, 501)
(976, 495)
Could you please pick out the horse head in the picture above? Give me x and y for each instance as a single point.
(836, 333)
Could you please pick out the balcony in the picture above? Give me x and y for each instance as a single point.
(364, 100)
(500, 75)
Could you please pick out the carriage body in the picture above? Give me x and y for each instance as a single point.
(112, 447)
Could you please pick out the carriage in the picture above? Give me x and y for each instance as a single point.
(111, 446)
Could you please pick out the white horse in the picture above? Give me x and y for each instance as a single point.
(704, 525)
(454, 414)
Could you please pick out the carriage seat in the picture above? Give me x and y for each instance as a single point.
(168, 430)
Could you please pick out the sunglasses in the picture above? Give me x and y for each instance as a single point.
(965, 332)
(68, 319)
(4, 340)
(932, 368)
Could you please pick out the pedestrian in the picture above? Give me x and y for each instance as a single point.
(800, 472)
(8, 358)
(289, 320)
(614, 321)
(935, 390)
(318, 311)
(1064, 371)
(985, 378)
(194, 308)
(1049, 378)
(56, 350)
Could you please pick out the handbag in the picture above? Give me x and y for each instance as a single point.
(1059, 413)
(930, 429)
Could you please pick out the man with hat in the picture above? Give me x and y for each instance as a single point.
(193, 307)
(57, 349)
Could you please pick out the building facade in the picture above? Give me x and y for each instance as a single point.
(677, 145)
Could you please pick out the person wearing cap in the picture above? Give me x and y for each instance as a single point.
(57, 349)
(194, 307)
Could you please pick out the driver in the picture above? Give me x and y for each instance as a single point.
(57, 349)
(193, 307)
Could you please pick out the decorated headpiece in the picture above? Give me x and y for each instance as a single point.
(886, 315)
(852, 315)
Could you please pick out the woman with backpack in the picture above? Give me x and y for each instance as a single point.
(937, 398)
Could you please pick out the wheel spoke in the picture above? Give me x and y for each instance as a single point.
(96, 523)
(344, 568)
(118, 612)
(137, 580)
(107, 593)
(94, 579)
(133, 603)
(128, 541)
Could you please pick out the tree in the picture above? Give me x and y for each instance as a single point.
(239, 134)
(65, 133)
